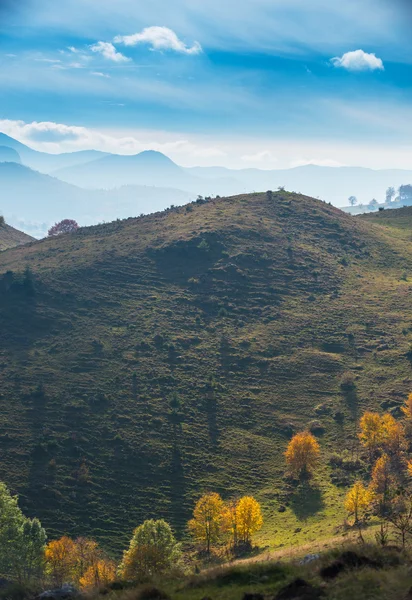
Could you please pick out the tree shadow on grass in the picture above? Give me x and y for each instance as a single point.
(307, 500)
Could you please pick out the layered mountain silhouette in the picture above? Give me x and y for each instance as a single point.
(92, 186)
(32, 201)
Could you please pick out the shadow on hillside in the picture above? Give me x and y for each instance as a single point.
(352, 401)
(307, 500)
(177, 485)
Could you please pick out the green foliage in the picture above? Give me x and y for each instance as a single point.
(153, 550)
(22, 541)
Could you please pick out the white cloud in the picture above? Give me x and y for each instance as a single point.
(358, 60)
(107, 50)
(100, 74)
(159, 38)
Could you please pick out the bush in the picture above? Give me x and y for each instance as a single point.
(2, 221)
(347, 382)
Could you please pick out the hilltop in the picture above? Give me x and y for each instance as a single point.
(146, 360)
(10, 237)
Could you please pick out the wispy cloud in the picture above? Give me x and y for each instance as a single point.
(100, 74)
(358, 60)
(159, 38)
(109, 52)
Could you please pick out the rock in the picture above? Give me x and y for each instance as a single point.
(250, 596)
(67, 591)
(299, 589)
(309, 558)
(348, 560)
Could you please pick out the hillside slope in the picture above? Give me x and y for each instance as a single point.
(249, 309)
(10, 237)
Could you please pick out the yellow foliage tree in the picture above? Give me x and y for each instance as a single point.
(98, 575)
(382, 483)
(60, 557)
(371, 434)
(229, 522)
(207, 517)
(407, 409)
(357, 502)
(249, 518)
(303, 452)
(393, 435)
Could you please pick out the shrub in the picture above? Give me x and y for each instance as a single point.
(2, 221)
(65, 226)
(347, 382)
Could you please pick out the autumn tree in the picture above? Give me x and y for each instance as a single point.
(382, 486)
(357, 502)
(207, 516)
(302, 454)
(371, 432)
(98, 575)
(229, 520)
(61, 560)
(65, 226)
(153, 550)
(249, 518)
(393, 435)
(87, 555)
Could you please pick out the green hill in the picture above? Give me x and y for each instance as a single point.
(145, 360)
(11, 237)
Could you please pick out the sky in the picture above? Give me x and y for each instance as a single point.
(238, 83)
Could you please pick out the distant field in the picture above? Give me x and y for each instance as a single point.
(250, 309)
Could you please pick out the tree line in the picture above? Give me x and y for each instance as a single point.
(402, 196)
(27, 558)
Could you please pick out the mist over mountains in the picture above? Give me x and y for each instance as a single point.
(37, 188)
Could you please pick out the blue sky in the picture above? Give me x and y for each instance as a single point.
(246, 83)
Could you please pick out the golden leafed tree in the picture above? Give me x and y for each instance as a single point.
(357, 502)
(229, 521)
(206, 523)
(371, 432)
(393, 435)
(249, 518)
(98, 575)
(382, 483)
(60, 558)
(302, 454)
(407, 408)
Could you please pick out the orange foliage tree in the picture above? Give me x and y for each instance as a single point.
(98, 575)
(69, 560)
(207, 516)
(302, 454)
(357, 502)
(60, 556)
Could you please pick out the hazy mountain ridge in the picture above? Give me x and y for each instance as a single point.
(92, 186)
(32, 200)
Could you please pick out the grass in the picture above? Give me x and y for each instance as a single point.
(253, 330)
